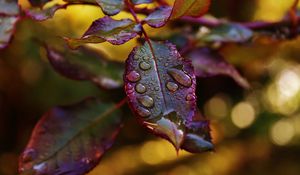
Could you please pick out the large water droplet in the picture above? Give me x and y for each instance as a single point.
(29, 155)
(144, 65)
(146, 101)
(180, 76)
(172, 86)
(133, 76)
(140, 88)
(143, 112)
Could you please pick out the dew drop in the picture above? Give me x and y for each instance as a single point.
(180, 76)
(166, 64)
(140, 88)
(29, 155)
(156, 88)
(190, 97)
(172, 86)
(143, 112)
(144, 65)
(146, 101)
(133, 76)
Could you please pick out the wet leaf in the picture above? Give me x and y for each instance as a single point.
(87, 64)
(111, 7)
(208, 63)
(38, 3)
(160, 85)
(228, 33)
(9, 16)
(137, 2)
(71, 139)
(193, 8)
(159, 17)
(107, 29)
(39, 14)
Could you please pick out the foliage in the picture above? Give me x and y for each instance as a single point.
(159, 78)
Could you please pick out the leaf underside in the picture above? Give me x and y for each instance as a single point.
(87, 64)
(160, 85)
(193, 8)
(70, 140)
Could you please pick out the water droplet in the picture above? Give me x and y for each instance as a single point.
(156, 88)
(86, 160)
(40, 168)
(146, 101)
(29, 155)
(133, 76)
(172, 86)
(190, 97)
(144, 65)
(143, 112)
(166, 64)
(140, 88)
(180, 76)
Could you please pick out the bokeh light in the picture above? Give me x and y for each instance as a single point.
(282, 132)
(243, 114)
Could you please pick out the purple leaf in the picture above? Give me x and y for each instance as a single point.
(160, 86)
(208, 63)
(87, 64)
(159, 17)
(137, 2)
(39, 3)
(72, 139)
(39, 14)
(9, 16)
(107, 29)
(111, 7)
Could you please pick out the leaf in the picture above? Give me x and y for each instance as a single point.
(159, 17)
(111, 7)
(208, 63)
(137, 2)
(9, 8)
(193, 8)
(39, 3)
(228, 33)
(87, 64)
(160, 86)
(9, 16)
(71, 140)
(39, 14)
(107, 29)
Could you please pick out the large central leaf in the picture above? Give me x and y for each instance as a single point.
(161, 86)
(71, 140)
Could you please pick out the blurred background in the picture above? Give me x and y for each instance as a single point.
(256, 131)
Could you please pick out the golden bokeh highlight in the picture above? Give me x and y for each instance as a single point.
(282, 132)
(217, 107)
(243, 115)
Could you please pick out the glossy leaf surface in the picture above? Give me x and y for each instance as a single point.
(107, 29)
(9, 11)
(70, 140)
(43, 14)
(87, 64)
(137, 2)
(160, 85)
(208, 63)
(159, 17)
(193, 8)
(111, 7)
(228, 33)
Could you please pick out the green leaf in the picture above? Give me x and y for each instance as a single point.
(107, 29)
(71, 139)
(87, 64)
(160, 86)
(228, 33)
(111, 7)
(193, 8)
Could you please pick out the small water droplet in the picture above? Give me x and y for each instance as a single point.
(86, 160)
(133, 76)
(144, 65)
(146, 58)
(143, 112)
(40, 168)
(172, 86)
(156, 88)
(180, 76)
(166, 64)
(29, 155)
(146, 101)
(190, 97)
(140, 88)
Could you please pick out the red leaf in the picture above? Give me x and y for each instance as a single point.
(193, 8)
